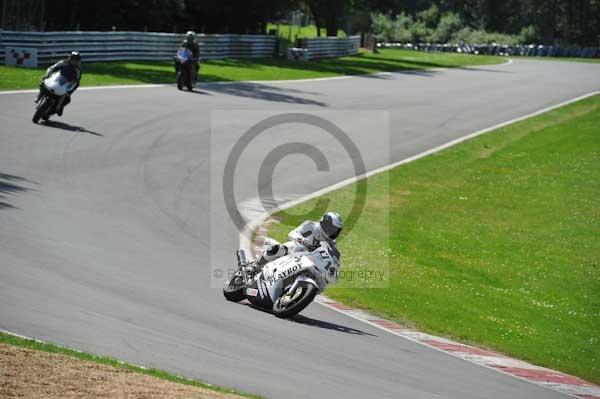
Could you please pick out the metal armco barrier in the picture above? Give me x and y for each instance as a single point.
(115, 46)
(329, 47)
(527, 50)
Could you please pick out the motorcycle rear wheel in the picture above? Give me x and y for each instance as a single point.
(308, 294)
(190, 82)
(179, 81)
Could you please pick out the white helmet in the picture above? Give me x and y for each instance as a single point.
(190, 36)
(331, 225)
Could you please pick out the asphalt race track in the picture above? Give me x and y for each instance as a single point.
(111, 218)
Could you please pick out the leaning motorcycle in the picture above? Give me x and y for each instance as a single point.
(186, 69)
(53, 92)
(286, 285)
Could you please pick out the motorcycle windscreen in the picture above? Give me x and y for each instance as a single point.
(57, 84)
(184, 53)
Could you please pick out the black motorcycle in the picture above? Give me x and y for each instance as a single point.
(185, 65)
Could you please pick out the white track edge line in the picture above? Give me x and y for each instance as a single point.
(154, 85)
(25, 337)
(88, 88)
(443, 351)
(251, 226)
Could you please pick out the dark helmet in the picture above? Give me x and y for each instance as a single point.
(74, 57)
(331, 225)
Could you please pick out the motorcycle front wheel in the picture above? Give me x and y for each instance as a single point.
(297, 302)
(42, 110)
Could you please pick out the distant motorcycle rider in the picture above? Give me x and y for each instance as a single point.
(70, 67)
(190, 44)
(308, 235)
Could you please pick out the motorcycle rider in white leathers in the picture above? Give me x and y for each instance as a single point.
(70, 67)
(306, 237)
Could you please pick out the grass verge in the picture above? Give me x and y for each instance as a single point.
(111, 73)
(494, 241)
(51, 348)
(292, 32)
(288, 34)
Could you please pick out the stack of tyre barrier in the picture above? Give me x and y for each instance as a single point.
(526, 50)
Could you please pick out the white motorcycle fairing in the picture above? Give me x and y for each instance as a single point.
(57, 84)
(284, 274)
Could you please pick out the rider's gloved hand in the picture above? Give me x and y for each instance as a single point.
(252, 267)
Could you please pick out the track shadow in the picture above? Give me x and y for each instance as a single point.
(328, 326)
(251, 305)
(307, 321)
(391, 74)
(263, 92)
(138, 71)
(475, 69)
(196, 91)
(362, 64)
(70, 128)
(11, 185)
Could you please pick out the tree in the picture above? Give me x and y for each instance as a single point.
(327, 13)
(449, 24)
(545, 21)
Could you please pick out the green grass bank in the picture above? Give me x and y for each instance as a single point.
(116, 73)
(495, 241)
